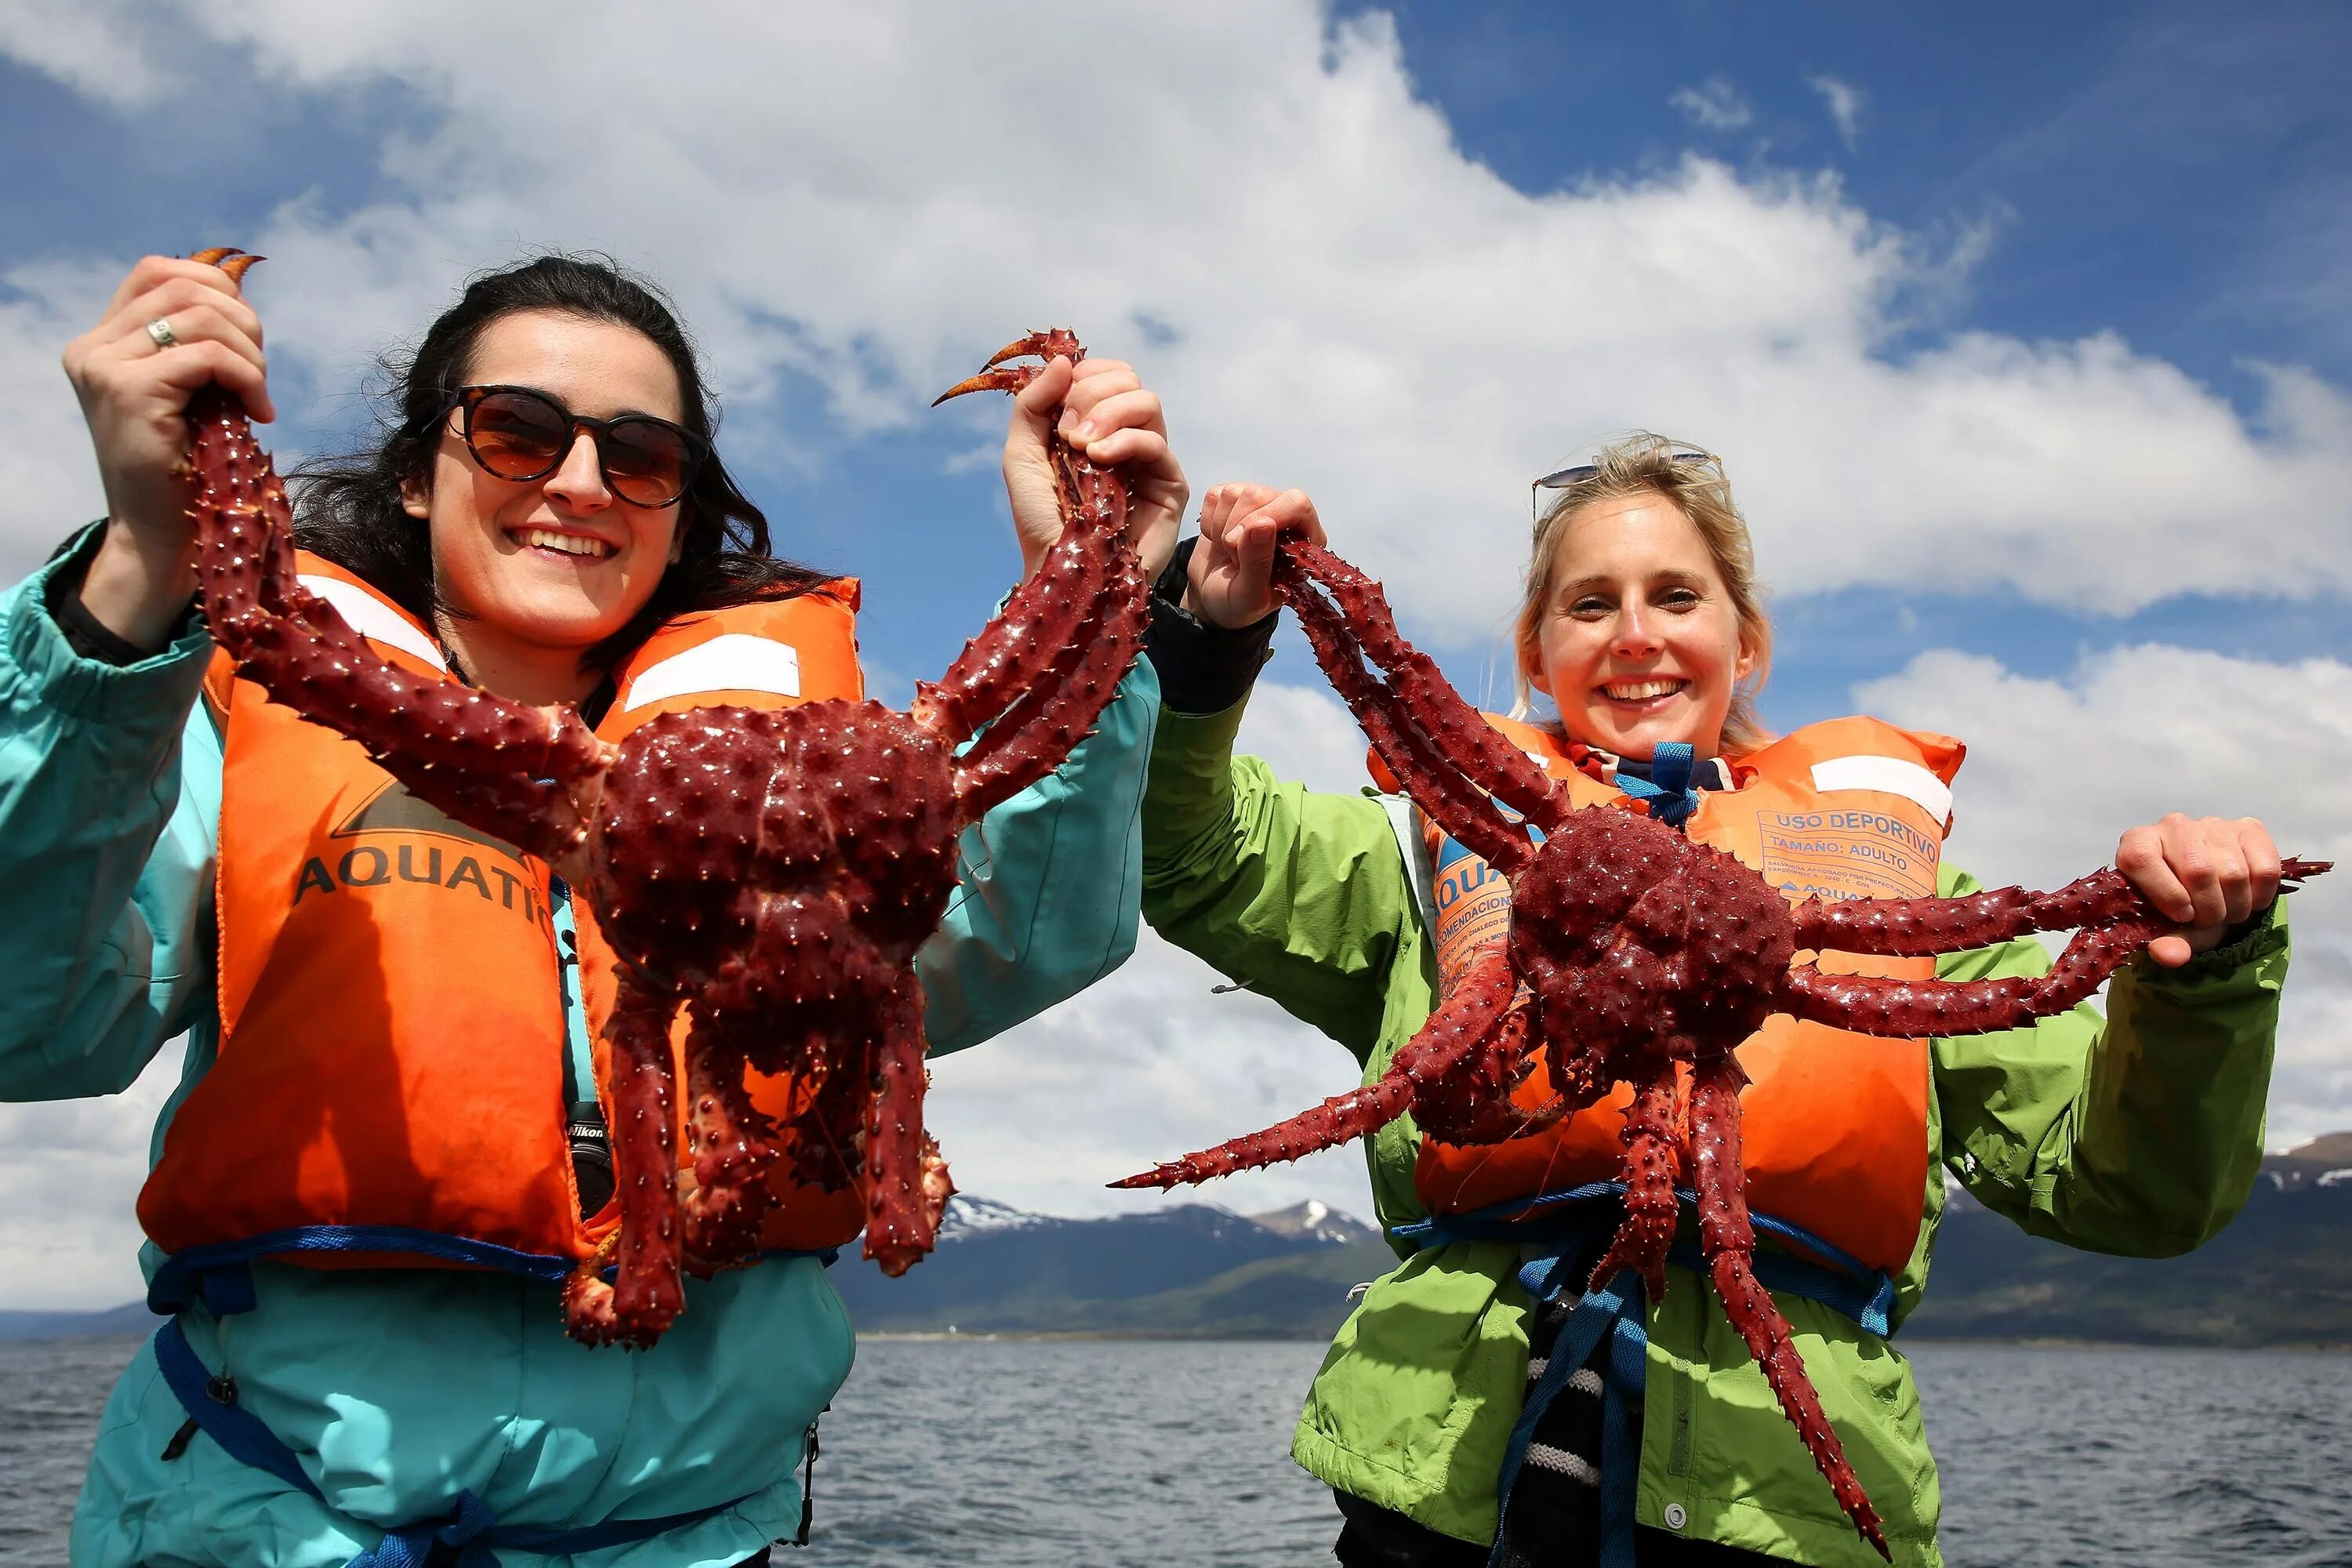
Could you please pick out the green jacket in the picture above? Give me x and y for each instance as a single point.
(2140, 1134)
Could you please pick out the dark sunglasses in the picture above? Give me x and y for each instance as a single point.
(1567, 479)
(519, 433)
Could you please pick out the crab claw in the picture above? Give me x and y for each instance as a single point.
(228, 259)
(1054, 342)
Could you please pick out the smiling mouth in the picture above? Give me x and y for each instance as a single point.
(1641, 690)
(566, 543)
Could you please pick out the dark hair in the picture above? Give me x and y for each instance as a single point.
(347, 508)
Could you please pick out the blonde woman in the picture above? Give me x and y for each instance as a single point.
(2137, 1133)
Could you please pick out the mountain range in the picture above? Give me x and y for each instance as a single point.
(2280, 1274)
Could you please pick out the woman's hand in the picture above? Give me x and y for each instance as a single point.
(1231, 578)
(134, 396)
(1108, 414)
(2208, 873)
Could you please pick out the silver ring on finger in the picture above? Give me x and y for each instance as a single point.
(160, 329)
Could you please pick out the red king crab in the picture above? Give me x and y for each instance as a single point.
(771, 870)
(1643, 950)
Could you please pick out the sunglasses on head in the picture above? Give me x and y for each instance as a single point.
(521, 433)
(1568, 478)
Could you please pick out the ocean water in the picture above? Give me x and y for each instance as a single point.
(989, 1452)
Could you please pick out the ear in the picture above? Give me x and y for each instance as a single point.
(677, 536)
(415, 499)
(1751, 658)
(1531, 666)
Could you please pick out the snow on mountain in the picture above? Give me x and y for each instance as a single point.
(1317, 1221)
(968, 1215)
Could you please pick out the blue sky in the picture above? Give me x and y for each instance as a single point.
(2022, 330)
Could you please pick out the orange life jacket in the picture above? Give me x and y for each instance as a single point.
(391, 1029)
(1833, 1129)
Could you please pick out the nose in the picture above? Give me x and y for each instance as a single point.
(578, 482)
(1635, 634)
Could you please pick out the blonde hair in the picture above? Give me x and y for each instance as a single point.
(1639, 464)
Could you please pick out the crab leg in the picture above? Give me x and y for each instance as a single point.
(1037, 732)
(1472, 1104)
(1909, 1009)
(1729, 1243)
(909, 1185)
(1916, 928)
(1046, 613)
(1452, 726)
(1456, 1030)
(649, 1292)
(527, 774)
(732, 1145)
(1433, 780)
(1653, 1158)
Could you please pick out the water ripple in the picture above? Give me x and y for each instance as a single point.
(997, 1453)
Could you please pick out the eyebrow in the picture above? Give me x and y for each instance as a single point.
(1675, 578)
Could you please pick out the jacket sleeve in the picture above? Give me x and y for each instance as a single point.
(105, 856)
(1299, 896)
(2140, 1134)
(1047, 884)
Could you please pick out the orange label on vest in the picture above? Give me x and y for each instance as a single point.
(1848, 854)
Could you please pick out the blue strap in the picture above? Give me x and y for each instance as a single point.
(1619, 1313)
(471, 1526)
(1570, 1218)
(220, 1275)
(211, 1403)
(1566, 1224)
(1667, 791)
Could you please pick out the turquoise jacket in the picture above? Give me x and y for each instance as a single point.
(400, 1389)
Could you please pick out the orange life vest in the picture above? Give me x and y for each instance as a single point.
(1832, 1125)
(392, 1030)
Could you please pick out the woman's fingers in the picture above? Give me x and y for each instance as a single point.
(1293, 513)
(1038, 399)
(2263, 869)
(153, 272)
(2141, 856)
(2208, 873)
(209, 344)
(1134, 408)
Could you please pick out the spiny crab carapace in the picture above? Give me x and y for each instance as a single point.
(771, 871)
(1638, 950)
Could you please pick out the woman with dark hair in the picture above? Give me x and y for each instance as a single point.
(377, 1000)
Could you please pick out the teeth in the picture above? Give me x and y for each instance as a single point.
(569, 543)
(1642, 690)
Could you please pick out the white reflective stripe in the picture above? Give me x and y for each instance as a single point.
(371, 617)
(1559, 1461)
(1887, 775)
(738, 661)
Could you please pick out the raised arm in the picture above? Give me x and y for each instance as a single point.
(1048, 885)
(110, 787)
(1301, 896)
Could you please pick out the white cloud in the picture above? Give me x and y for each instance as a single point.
(1714, 104)
(1150, 1064)
(1354, 305)
(97, 47)
(850, 199)
(2058, 769)
(1154, 1062)
(53, 482)
(71, 1171)
(1844, 102)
